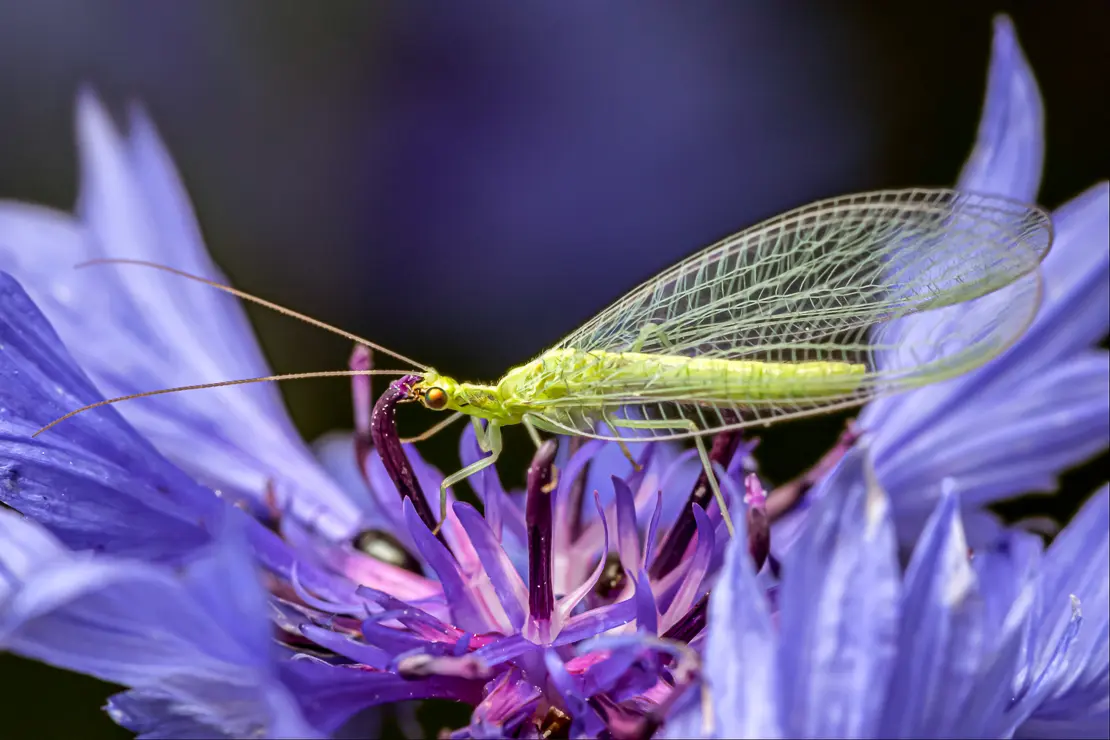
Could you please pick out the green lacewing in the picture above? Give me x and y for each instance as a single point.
(824, 307)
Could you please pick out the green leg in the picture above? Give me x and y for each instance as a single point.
(649, 329)
(480, 434)
(624, 448)
(489, 438)
(702, 452)
(535, 435)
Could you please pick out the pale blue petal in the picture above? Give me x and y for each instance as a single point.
(1032, 403)
(1076, 689)
(740, 654)
(92, 480)
(136, 329)
(380, 509)
(194, 637)
(1009, 149)
(1013, 425)
(839, 609)
(1007, 564)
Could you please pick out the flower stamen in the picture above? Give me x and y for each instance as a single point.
(538, 518)
(383, 431)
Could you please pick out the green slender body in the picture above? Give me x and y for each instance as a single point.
(563, 381)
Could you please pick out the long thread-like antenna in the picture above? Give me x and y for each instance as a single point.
(290, 376)
(253, 299)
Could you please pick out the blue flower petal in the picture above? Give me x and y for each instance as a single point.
(1059, 418)
(381, 509)
(840, 609)
(1075, 308)
(1006, 564)
(1009, 150)
(943, 636)
(970, 429)
(1076, 687)
(586, 722)
(647, 614)
(136, 329)
(741, 666)
(176, 634)
(922, 437)
(92, 480)
(153, 715)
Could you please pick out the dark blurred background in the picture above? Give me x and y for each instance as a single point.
(466, 182)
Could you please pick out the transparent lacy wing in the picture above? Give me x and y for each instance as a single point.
(833, 281)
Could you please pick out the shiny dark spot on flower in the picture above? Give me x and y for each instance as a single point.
(555, 725)
(386, 548)
(612, 578)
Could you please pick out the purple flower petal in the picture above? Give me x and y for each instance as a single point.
(152, 715)
(628, 535)
(652, 530)
(92, 480)
(647, 614)
(509, 701)
(565, 607)
(505, 649)
(839, 608)
(135, 329)
(464, 612)
(332, 695)
(510, 589)
(569, 513)
(994, 691)
(596, 622)
(691, 586)
(1075, 309)
(1009, 150)
(341, 644)
(586, 721)
(196, 637)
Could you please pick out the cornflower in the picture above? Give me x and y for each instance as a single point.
(191, 548)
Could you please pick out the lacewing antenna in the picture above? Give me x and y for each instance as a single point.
(244, 381)
(253, 299)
